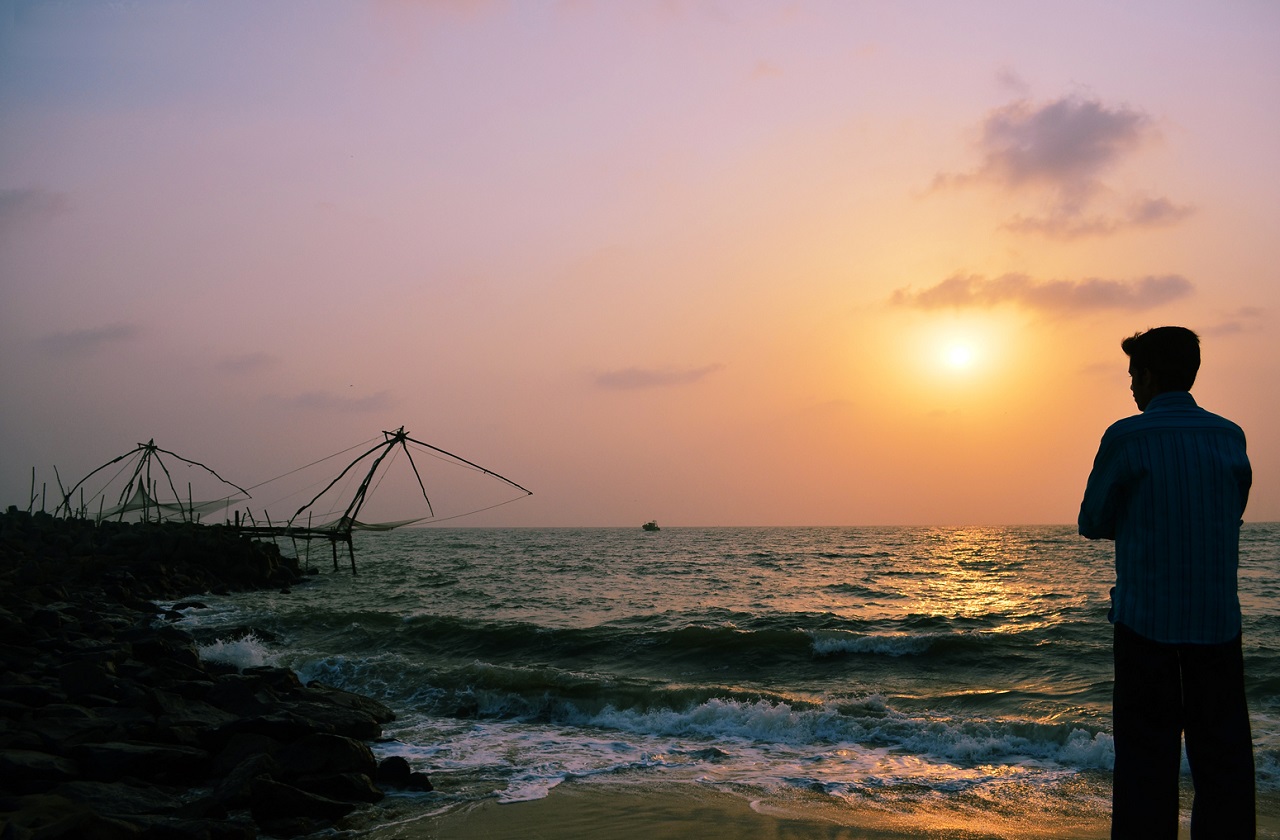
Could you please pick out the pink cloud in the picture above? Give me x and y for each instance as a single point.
(961, 291)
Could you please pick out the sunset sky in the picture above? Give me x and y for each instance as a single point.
(714, 263)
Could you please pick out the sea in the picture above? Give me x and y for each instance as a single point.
(901, 670)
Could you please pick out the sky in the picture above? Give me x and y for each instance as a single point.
(709, 262)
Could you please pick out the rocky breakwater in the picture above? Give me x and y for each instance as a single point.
(111, 726)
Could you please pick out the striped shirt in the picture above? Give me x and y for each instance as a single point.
(1169, 486)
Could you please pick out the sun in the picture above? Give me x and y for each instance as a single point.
(959, 356)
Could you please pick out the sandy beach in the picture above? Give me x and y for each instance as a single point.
(641, 811)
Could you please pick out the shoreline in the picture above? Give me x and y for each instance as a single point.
(641, 809)
(644, 810)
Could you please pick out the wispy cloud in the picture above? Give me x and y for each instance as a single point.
(18, 206)
(966, 291)
(765, 70)
(637, 378)
(1009, 79)
(1060, 151)
(1068, 223)
(88, 341)
(245, 363)
(327, 401)
(1244, 319)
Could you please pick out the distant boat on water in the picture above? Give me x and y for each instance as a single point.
(651, 525)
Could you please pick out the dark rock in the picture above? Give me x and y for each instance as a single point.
(119, 798)
(394, 771)
(292, 826)
(169, 649)
(44, 816)
(64, 711)
(239, 695)
(325, 717)
(281, 726)
(319, 755)
(277, 679)
(47, 618)
(32, 696)
(115, 760)
(235, 791)
(15, 656)
(176, 710)
(185, 828)
(273, 801)
(344, 787)
(60, 734)
(357, 702)
(109, 720)
(238, 748)
(217, 669)
(84, 677)
(36, 771)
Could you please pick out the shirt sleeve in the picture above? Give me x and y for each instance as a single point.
(1244, 476)
(1101, 504)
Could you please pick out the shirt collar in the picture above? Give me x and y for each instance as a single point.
(1171, 399)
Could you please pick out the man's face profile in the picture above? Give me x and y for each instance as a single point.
(1142, 384)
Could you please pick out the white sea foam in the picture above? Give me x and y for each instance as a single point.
(830, 642)
(956, 740)
(246, 652)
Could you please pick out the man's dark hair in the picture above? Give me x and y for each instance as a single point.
(1172, 354)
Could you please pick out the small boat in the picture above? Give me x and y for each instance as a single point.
(651, 525)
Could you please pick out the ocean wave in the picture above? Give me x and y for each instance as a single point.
(484, 691)
(837, 642)
(965, 741)
(247, 651)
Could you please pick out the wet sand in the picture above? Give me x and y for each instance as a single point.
(639, 811)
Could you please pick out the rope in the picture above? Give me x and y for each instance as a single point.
(313, 463)
(477, 510)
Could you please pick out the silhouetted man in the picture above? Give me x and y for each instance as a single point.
(1170, 485)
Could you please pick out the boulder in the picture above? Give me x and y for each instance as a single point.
(114, 760)
(321, 754)
(274, 801)
(394, 771)
(187, 828)
(235, 791)
(119, 798)
(344, 787)
(283, 726)
(356, 702)
(44, 816)
(238, 748)
(325, 717)
(36, 771)
(84, 677)
(172, 709)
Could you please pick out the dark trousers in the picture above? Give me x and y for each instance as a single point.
(1161, 692)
